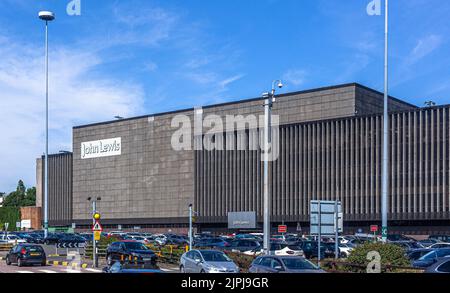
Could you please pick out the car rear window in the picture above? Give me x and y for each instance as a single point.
(298, 264)
(33, 248)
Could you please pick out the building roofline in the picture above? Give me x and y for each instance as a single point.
(243, 101)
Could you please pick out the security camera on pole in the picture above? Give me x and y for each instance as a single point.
(269, 99)
(374, 9)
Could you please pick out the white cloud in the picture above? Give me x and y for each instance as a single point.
(424, 47)
(294, 77)
(76, 97)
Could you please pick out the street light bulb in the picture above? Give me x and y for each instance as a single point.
(46, 15)
(280, 85)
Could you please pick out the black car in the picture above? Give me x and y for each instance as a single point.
(244, 245)
(127, 268)
(129, 251)
(431, 257)
(310, 249)
(415, 254)
(441, 266)
(26, 254)
(52, 238)
(442, 238)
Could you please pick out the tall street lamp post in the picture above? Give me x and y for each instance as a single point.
(268, 103)
(46, 16)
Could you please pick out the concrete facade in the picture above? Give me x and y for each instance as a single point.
(60, 188)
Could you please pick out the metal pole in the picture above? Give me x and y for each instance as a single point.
(267, 122)
(46, 135)
(336, 228)
(190, 226)
(94, 243)
(319, 238)
(384, 222)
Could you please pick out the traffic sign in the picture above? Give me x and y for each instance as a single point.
(97, 226)
(282, 228)
(374, 228)
(97, 235)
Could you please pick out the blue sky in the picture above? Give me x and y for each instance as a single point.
(135, 57)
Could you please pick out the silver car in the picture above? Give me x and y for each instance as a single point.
(207, 261)
(283, 264)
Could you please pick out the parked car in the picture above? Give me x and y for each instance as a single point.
(431, 257)
(439, 245)
(247, 237)
(283, 264)
(281, 249)
(415, 254)
(52, 238)
(442, 265)
(407, 245)
(310, 249)
(345, 250)
(126, 250)
(244, 245)
(26, 254)
(131, 268)
(11, 238)
(211, 243)
(440, 238)
(207, 261)
(427, 242)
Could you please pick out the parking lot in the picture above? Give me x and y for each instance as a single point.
(120, 252)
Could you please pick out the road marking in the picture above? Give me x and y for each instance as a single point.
(25, 272)
(93, 270)
(168, 270)
(72, 271)
(48, 271)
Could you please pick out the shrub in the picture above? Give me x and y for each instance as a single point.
(243, 261)
(391, 255)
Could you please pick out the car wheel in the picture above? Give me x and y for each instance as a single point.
(44, 263)
(182, 270)
(8, 262)
(19, 262)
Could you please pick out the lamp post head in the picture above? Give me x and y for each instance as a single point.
(46, 15)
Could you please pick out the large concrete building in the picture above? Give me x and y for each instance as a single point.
(329, 148)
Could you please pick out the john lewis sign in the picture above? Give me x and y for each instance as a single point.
(101, 148)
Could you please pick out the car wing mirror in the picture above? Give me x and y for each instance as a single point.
(279, 268)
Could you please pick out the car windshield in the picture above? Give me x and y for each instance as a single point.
(435, 253)
(298, 264)
(215, 256)
(135, 246)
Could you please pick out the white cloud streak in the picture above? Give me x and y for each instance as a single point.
(76, 96)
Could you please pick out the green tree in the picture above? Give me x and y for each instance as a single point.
(22, 197)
